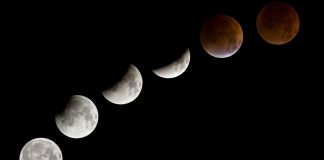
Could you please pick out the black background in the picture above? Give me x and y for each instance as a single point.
(238, 106)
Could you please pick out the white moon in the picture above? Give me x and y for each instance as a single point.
(127, 89)
(79, 118)
(175, 68)
(40, 149)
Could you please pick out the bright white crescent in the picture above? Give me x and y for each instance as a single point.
(176, 68)
(127, 89)
(79, 118)
(41, 149)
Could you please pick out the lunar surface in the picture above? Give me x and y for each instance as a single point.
(221, 36)
(175, 68)
(40, 149)
(79, 118)
(127, 89)
(277, 23)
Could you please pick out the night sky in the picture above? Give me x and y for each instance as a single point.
(233, 107)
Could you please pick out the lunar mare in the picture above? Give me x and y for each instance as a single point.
(41, 149)
(127, 89)
(277, 23)
(79, 118)
(221, 36)
(175, 68)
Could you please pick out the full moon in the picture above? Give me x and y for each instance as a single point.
(277, 23)
(79, 118)
(127, 89)
(176, 68)
(40, 149)
(221, 36)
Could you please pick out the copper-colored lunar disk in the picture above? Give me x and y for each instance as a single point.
(277, 23)
(221, 36)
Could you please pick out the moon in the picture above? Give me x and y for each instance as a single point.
(40, 149)
(221, 36)
(79, 118)
(277, 23)
(127, 89)
(175, 68)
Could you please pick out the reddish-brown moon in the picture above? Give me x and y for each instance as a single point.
(277, 23)
(221, 36)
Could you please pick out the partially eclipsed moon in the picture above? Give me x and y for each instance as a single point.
(79, 118)
(221, 36)
(40, 149)
(277, 23)
(127, 89)
(175, 68)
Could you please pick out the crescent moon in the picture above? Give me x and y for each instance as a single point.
(127, 89)
(176, 68)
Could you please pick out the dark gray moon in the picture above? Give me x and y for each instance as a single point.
(40, 149)
(127, 89)
(79, 118)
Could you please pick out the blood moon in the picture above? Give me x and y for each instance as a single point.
(277, 23)
(221, 36)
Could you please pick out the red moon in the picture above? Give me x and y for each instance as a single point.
(277, 23)
(221, 36)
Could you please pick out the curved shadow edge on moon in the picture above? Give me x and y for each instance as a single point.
(79, 118)
(127, 89)
(221, 36)
(40, 148)
(176, 68)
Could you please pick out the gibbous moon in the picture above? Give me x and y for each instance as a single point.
(221, 36)
(79, 118)
(175, 68)
(127, 89)
(40, 149)
(277, 23)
